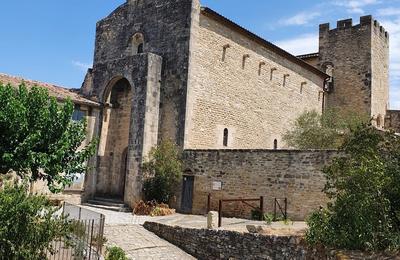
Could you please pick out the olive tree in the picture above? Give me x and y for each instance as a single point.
(38, 139)
(328, 130)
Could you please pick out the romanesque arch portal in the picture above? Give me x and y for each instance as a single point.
(114, 139)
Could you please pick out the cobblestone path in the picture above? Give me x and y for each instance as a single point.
(139, 243)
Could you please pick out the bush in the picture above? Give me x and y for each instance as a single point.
(27, 224)
(116, 253)
(163, 171)
(152, 208)
(268, 218)
(364, 187)
(327, 131)
(256, 214)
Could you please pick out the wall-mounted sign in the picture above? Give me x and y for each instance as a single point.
(217, 185)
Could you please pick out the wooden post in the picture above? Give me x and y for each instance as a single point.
(275, 209)
(262, 208)
(208, 202)
(285, 208)
(220, 213)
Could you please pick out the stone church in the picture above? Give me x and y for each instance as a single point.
(172, 69)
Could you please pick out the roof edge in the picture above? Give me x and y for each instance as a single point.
(308, 55)
(262, 41)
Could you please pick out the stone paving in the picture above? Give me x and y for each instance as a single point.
(126, 231)
(139, 243)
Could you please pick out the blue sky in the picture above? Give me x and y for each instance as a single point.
(53, 41)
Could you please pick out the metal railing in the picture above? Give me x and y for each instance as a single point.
(86, 239)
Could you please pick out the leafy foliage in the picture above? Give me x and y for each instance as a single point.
(327, 131)
(116, 253)
(38, 139)
(164, 172)
(27, 224)
(364, 187)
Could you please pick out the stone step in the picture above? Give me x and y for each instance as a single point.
(107, 203)
(112, 208)
(112, 200)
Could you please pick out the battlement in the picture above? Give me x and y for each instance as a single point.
(348, 24)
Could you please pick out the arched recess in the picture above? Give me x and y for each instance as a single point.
(114, 138)
(137, 43)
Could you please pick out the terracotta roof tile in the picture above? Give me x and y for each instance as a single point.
(60, 93)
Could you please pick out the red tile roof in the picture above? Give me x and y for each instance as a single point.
(60, 93)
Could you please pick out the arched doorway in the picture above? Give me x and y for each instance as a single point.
(113, 149)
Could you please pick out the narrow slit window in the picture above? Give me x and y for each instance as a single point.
(272, 74)
(260, 68)
(226, 135)
(302, 86)
(275, 144)
(285, 79)
(245, 57)
(225, 47)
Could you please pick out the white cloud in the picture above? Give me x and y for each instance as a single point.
(356, 6)
(82, 66)
(306, 43)
(390, 11)
(300, 18)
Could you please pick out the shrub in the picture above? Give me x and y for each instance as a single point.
(163, 171)
(327, 131)
(38, 139)
(364, 188)
(27, 224)
(152, 208)
(116, 253)
(256, 214)
(268, 218)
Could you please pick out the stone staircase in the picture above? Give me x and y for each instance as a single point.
(108, 204)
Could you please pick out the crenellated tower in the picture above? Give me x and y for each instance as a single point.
(357, 58)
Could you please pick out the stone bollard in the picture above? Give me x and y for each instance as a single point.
(212, 220)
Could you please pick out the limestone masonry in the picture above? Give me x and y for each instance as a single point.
(171, 69)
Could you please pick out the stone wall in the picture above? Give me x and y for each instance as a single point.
(358, 57)
(239, 84)
(291, 174)
(165, 26)
(380, 74)
(143, 72)
(221, 244)
(393, 120)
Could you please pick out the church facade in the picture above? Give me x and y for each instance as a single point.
(172, 69)
(175, 70)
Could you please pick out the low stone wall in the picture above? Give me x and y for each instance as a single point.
(221, 244)
(292, 174)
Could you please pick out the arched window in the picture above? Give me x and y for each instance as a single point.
(226, 135)
(275, 144)
(137, 43)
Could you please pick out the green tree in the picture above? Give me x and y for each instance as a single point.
(163, 171)
(364, 188)
(27, 224)
(312, 130)
(38, 139)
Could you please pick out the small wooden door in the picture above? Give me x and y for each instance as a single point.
(187, 194)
